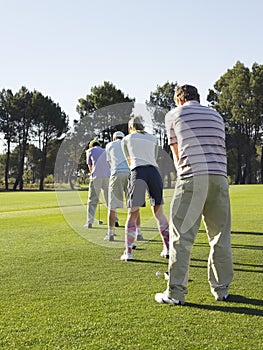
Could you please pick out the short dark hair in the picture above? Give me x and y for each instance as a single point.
(94, 143)
(187, 93)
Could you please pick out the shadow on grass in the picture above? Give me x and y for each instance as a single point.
(252, 265)
(246, 246)
(244, 270)
(138, 242)
(235, 246)
(235, 269)
(241, 233)
(236, 266)
(233, 309)
(153, 229)
(164, 262)
(199, 266)
(247, 233)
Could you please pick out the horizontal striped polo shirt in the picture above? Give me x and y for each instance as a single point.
(199, 132)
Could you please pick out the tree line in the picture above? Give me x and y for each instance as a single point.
(34, 127)
(33, 124)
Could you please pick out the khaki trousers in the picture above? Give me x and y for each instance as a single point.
(95, 187)
(197, 197)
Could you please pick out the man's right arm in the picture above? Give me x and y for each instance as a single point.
(172, 139)
(108, 155)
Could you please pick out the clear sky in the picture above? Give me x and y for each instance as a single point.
(62, 48)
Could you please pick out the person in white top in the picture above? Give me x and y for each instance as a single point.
(141, 149)
(117, 184)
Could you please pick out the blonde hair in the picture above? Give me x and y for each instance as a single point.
(136, 122)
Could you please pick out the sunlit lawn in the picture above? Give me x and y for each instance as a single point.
(60, 290)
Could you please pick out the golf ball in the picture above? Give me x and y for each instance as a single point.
(158, 273)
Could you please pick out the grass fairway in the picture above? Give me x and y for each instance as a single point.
(62, 291)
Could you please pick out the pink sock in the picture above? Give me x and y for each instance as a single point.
(164, 232)
(130, 234)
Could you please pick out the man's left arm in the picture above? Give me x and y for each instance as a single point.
(172, 139)
(125, 152)
(89, 160)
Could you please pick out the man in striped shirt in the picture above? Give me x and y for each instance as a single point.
(196, 135)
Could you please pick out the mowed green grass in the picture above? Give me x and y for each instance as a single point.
(61, 291)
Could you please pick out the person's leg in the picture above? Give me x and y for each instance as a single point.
(217, 220)
(111, 221)
(111, 224)
(135, 198)
(93, 198)
(116, 223)
(155, 191)
(138, 221)
(116, 192)
(139, 236)
(163, 227)
(185, 217)
(105, 188)
(130, 228)
(136, 188)
(111, 208)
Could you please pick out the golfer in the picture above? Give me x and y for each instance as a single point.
(118, 184)
(141, 149)
(99, 178)
(196, 136)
